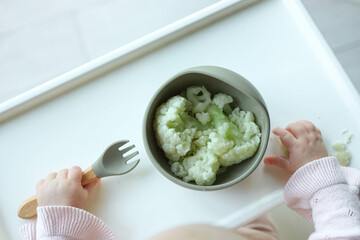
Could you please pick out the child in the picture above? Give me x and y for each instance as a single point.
(61, 199)
(319, 190)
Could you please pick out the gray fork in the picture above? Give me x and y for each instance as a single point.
(112, 162)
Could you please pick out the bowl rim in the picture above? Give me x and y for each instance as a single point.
(209, 71)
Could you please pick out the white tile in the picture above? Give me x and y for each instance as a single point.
(37, 53)
(338, 20)
(109, 25)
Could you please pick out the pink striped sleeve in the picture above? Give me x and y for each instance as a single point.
(308, 180)
(28, 231)
(328, 195)
(70, 223)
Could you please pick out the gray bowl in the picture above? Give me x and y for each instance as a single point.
(216, 80)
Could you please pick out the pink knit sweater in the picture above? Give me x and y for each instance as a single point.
(327, 194)
(66, 223)
(321, 191)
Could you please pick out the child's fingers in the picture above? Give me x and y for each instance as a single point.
(75, 173)
(310, 127)
(286, 137)
(319, 132)
(90, 186)
(62, 173)
(51, 176)
(277, 160)
(40, 183)
(297, 128)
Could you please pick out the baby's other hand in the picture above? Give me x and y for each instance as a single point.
(64, 189)
(304, 143)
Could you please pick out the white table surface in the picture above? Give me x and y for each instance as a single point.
(266, 43)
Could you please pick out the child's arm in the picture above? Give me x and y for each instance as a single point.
(61, 199)
(319, 189)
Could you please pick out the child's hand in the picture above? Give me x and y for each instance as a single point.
(64, 189)
(304, 142)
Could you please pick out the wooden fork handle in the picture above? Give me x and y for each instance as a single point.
(27, 209)
(88, 176)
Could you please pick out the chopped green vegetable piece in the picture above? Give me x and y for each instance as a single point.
(343, 157)
(339, 146)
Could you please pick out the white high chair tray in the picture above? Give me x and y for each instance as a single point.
(71, 119)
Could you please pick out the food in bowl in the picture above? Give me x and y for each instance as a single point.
(203, 135)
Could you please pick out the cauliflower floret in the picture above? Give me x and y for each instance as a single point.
(222, 99)
(199, 97)
(240, 153)
(202, 138)
(199, 138)
(341, 153)
(218, 144)
(201, 167)
(178, 169)
(343, 157)
(236, 139)
(203, 117)
(339, 146)
(245, 121)
(172, 134)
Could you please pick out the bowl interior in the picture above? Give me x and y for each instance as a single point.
(214, 85)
